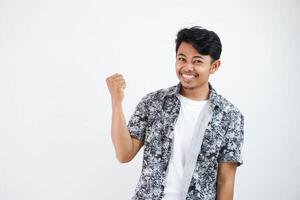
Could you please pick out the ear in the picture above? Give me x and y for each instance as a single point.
(214, 66)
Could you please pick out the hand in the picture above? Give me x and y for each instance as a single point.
(116, 85)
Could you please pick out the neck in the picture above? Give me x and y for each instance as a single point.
(196, 93)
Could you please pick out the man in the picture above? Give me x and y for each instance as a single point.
(192, 136)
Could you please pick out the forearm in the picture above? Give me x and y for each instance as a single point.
(120, 135)
(225, 190)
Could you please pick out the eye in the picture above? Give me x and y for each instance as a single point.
(181, 59)
(198, 61)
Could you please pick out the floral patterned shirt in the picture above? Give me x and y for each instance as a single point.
(153, 123)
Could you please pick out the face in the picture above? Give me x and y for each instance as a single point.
(193, 69)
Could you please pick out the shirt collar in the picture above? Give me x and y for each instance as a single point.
(214, 98)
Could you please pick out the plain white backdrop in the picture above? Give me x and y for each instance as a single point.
(55, 111)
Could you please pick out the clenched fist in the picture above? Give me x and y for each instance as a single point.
(116, 85)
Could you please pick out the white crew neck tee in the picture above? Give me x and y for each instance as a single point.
(183, 132)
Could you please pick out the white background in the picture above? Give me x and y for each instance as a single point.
(55, 111)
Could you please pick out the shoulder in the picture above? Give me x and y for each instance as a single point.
(158, 95)
(231, 110)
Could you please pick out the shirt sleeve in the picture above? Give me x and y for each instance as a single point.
(138, 121)
(231, 150)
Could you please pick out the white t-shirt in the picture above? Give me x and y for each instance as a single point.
(183, 132)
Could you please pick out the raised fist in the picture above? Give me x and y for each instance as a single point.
(116, 85)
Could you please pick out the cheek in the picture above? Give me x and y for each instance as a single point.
(177, 68)
(203, 70)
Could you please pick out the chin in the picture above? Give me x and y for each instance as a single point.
(187, 85)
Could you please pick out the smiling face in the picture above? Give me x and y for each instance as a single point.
(193, 69)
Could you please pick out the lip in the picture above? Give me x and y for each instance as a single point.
(188, 77)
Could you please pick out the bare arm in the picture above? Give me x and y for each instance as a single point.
(225, 180)
(125, 146)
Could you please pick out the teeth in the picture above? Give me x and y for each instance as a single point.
(188, 76)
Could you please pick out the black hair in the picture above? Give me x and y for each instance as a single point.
(206, 42)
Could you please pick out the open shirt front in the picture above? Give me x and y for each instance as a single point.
(153, 123)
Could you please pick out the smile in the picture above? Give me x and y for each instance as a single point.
(189, 76)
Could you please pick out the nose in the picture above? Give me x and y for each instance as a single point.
(189, 66)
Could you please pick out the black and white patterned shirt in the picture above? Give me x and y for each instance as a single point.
(153, 123)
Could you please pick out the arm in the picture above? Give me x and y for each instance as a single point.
(225, 180)
(230, 156)
(125, 146)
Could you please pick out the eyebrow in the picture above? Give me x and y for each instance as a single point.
(181, 54)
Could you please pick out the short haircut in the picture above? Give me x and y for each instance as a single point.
(206, 42)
